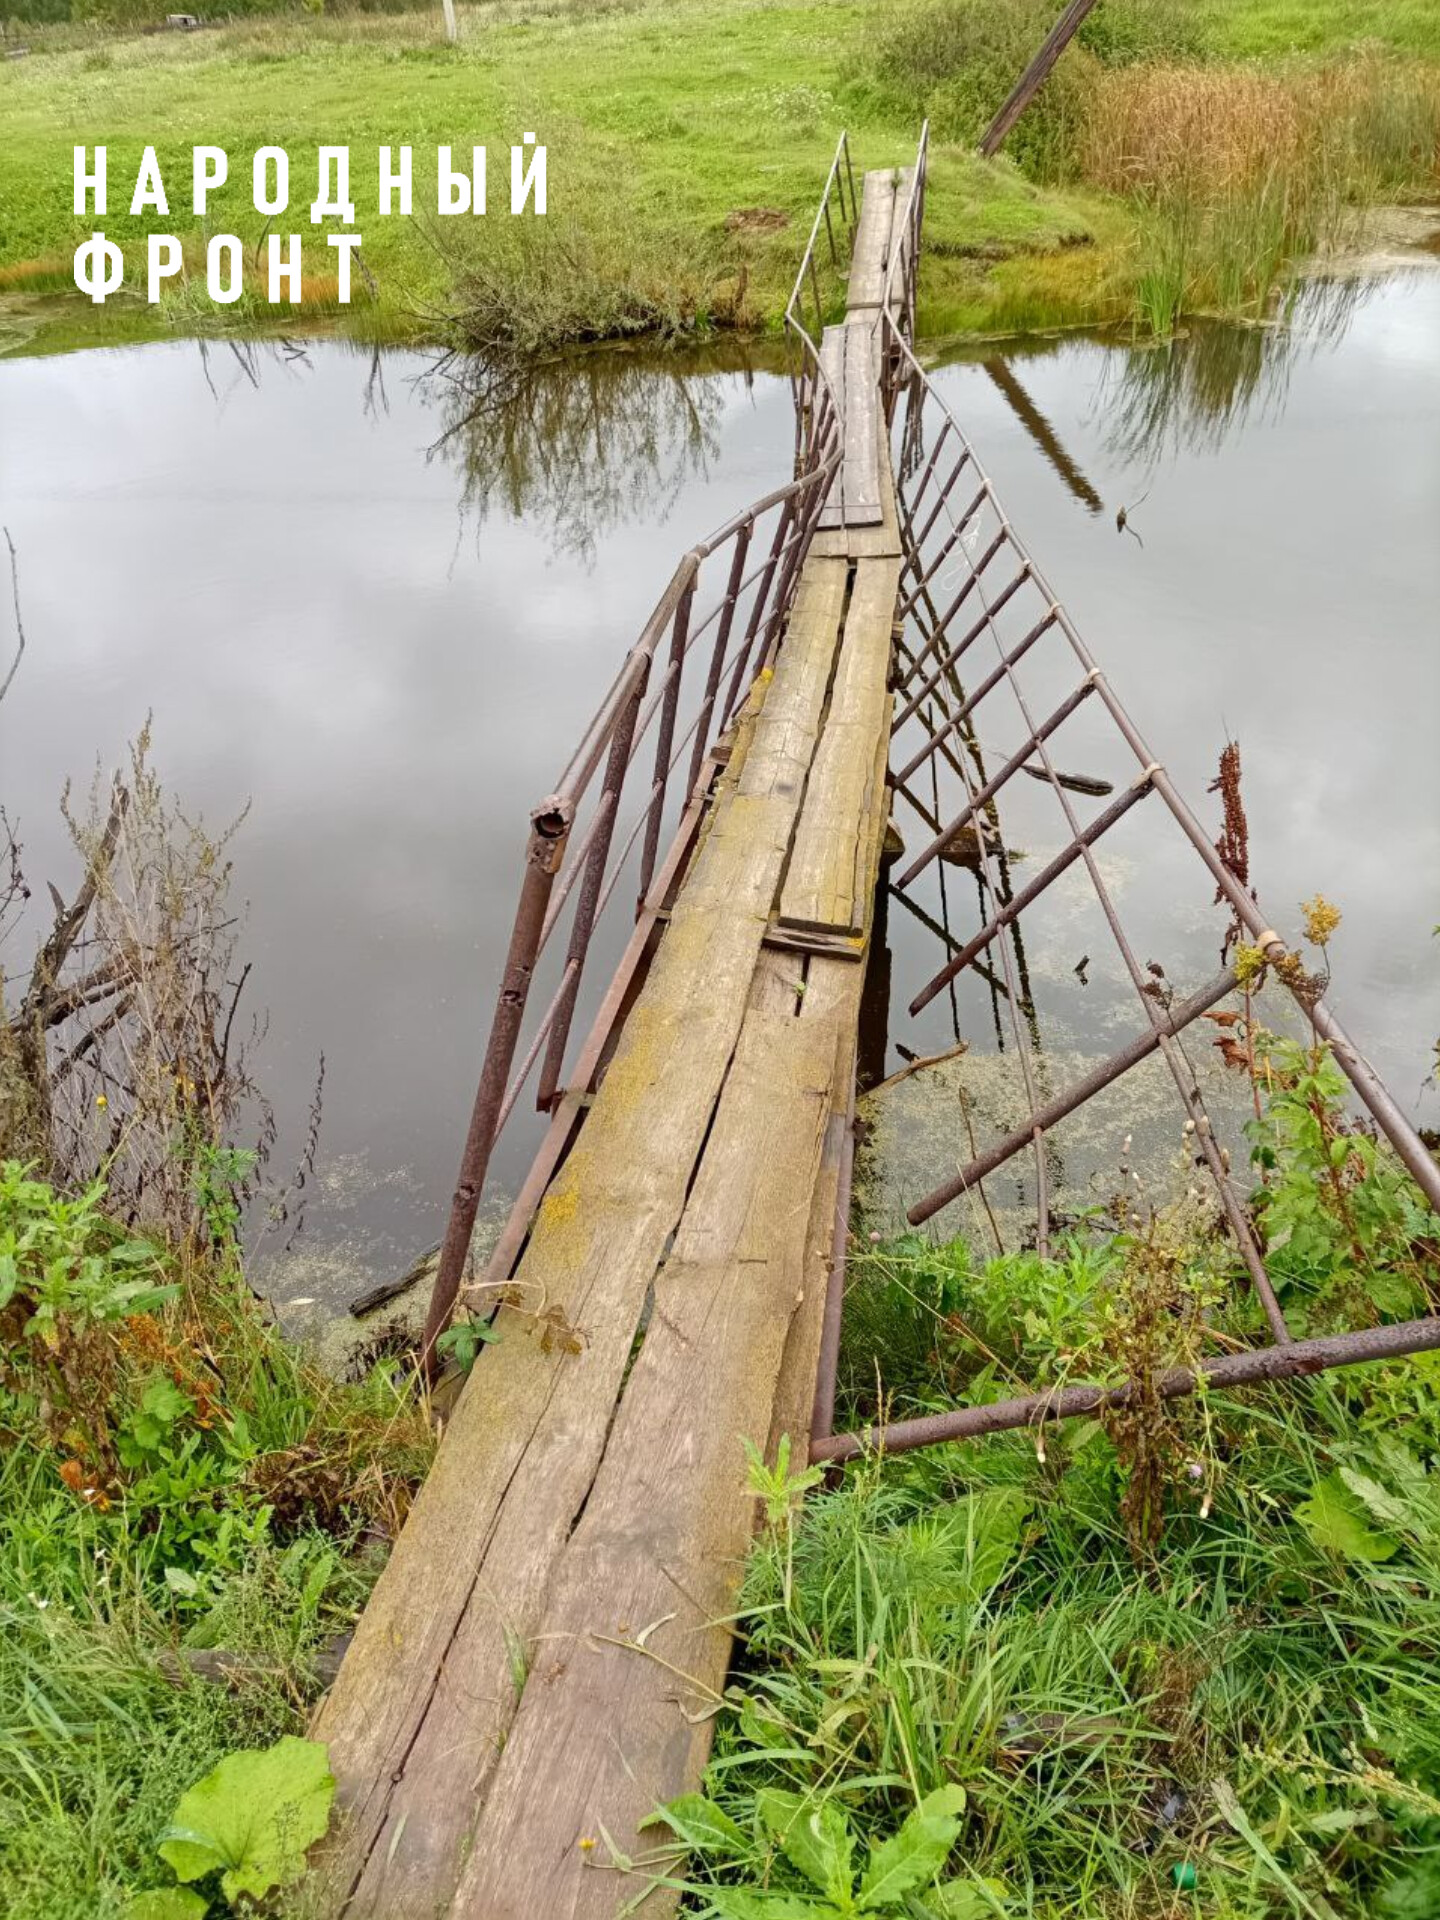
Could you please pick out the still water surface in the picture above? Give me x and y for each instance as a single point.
(377, 601)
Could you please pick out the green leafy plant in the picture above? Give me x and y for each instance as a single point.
(815, 1837)
(462, 1341)
(780, 1489)
(1378, 1501)
(1346, 1229)
(252, 1819)
(168, 1903)
(218, 1177)
(62, 1263)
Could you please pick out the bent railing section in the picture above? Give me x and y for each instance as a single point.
(638, 778)
(979, 618)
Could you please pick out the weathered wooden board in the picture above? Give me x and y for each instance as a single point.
(872, 240)
(878, 541)
(419, 1711)
(825, 886)
(635, 1640)
(833, 989)
(849, 356)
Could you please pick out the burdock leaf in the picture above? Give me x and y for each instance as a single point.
(1337, 1522)
(168, 1903)
(254, 1817)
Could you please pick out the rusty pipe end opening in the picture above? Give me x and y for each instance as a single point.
(553, 818)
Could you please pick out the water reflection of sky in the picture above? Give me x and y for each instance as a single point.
(322, 626)
(1284, 589)
(389, 653)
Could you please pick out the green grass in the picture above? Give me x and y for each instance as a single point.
(1241, 1728)
(1249, 29)
(650, 156)
(174, 1478)
(648, 153)
(1174, 1660)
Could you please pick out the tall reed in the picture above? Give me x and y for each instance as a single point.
(1237, 173)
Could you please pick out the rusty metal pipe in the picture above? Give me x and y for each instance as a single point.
(1295, 1361)
(717, 658)
(937, 740)
(928, 474)
(973, 633)
(957, 529)
(549, 828)
(1101, 824)
(586, 907)
(678, 634)
(993, 785)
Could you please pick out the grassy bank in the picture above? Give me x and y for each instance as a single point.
(654, 162)
(1174, 1661)
(681, 187)
(190, 1514)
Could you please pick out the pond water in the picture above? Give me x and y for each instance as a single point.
(1274, 578)
(376, 600)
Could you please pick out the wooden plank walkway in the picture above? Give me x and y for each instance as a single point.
(537, 1664)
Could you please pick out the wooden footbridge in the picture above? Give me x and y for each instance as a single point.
(541, 1661)
(538, 1667)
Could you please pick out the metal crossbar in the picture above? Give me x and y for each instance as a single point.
(729, 606)
(968, 583)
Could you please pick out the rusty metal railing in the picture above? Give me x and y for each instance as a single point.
(975, 608)
(642, 769)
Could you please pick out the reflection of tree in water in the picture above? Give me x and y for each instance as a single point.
(1188, 394)
(580, 444)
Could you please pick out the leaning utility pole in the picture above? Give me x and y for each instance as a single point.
(1035, 75)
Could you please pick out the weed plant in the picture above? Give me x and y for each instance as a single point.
(174, 1479)
(1177, 1662)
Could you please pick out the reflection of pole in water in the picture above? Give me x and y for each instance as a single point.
(1043, 434)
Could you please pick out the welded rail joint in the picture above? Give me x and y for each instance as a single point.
(964, 567)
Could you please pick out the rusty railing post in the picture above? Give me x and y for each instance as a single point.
(549, 829)
(717, 658)
(674, 667)
(586, 907)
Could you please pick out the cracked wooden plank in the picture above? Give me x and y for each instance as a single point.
(632, 1652)
(827, 879)
(872, 240)
(849, 355)
(418, 1714)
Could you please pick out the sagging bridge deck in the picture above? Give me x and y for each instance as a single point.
(541, 1660)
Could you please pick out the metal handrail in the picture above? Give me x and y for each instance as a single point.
(561, 866)
(933, 697)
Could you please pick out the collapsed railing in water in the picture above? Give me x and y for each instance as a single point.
(969, 578)
(726, 601)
